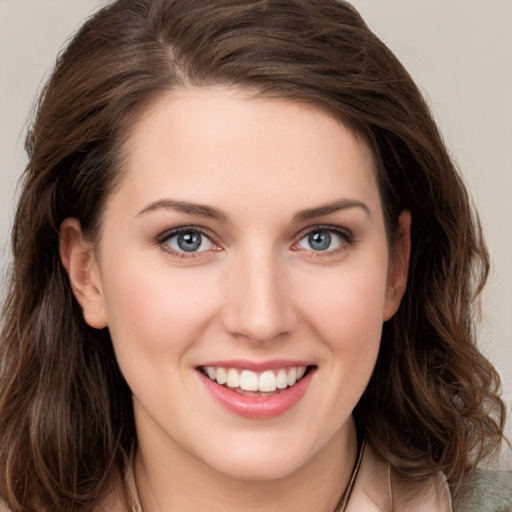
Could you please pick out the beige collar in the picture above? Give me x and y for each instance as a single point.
(376, 490)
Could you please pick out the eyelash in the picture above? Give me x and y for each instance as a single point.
(164, 238)
(346, 236)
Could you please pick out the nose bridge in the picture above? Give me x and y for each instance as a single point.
(258, 304)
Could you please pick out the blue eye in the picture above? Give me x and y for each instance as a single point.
(188, 241)
(323, 239)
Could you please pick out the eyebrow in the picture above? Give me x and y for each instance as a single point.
(187, 207)
(203, 210)
(335, 206)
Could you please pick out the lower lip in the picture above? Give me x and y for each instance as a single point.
(258, 407)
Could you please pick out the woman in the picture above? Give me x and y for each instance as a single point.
(244, 272)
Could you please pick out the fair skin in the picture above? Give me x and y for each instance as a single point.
(283, 264)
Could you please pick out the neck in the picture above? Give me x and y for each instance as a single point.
(175, 480)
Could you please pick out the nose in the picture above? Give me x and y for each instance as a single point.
(259, 306)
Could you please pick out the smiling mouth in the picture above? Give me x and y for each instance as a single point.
(250, 383)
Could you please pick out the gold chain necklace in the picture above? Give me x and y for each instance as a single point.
(342, 505)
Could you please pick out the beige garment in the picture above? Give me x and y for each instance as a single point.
(375, 490)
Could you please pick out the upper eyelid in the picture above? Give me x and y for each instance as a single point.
(169, 233)
(326, 227)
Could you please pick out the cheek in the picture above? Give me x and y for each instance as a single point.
(345, 310)
(154, 317)
(348, 302)
(151, 309)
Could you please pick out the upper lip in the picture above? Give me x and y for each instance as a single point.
(256, 366)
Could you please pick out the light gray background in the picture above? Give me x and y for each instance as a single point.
(458, 51)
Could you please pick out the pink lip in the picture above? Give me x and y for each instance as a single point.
(241, 364)
(257, 407)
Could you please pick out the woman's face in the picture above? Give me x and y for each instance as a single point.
(246, 242)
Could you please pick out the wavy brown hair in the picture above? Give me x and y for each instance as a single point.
(66, 419)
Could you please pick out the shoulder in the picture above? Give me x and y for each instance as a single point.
(486, 491)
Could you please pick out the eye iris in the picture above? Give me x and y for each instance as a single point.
(319, 240)
(189, 241)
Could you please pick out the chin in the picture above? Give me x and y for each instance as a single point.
(260, 457)
(258, 469)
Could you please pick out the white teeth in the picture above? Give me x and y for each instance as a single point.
(247, 380)
(233, 378)
(292, 376)
(267, 381)
(282, 379)
(221, 376)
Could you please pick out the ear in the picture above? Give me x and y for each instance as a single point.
(398, 265)
(79, 260)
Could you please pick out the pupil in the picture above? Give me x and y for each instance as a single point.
(320, 240)
(189, 242)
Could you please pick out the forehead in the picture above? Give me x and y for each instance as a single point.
(224, 145)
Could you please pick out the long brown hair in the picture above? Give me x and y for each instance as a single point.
(66, 419)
